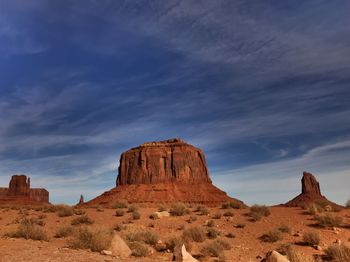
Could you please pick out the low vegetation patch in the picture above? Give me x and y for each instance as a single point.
(82, 220)
(64, 210)
(172, 242)
(284, 229)
(162, 208)
(240, 225)
(144, 236)
(329, 220)
(132, 208)
(271, 236)
(202, 210)
(139, 249)
(295, 256)
(64, 231)
(311, 238)
(196, 234)
(119, 212)
(215, 248)
(232, 204)
(79, 212)
(338, 253)
(228, 214)
(212, 233)
(217, 215)
(257, 212)
(178, 209)
(94, 239)
(120, 204)
(230, 235)
(29, 230)
(136, 215)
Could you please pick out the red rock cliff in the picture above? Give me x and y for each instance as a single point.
(161, 162)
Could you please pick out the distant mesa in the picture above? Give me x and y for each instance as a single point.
(310, 193)
(163, 171)
(20, 193)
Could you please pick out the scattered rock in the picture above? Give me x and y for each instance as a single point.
(318, 247)
(181, 254)
(274, 256)
(162, 214)
(106, 252)
(119, 248)
(338, 241)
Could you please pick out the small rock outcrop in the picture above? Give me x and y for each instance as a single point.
(81, 200)
(164, 171)
(274, 256)
(19, 192)
(181, 254)
(310, 193)
(119, 248)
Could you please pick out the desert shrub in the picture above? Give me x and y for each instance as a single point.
(329, 220)
(29, 230)
(119, 227)
(178, 209)
(314, 209)
(215, 248)
(217, 215)
(162, 208)
(64, 231)
(120, 204)
(259, 211)
(225, 205)
(191, 219)
(136, 215)
(338, 253)
(145, 236)
(42, 216)
(139, 249)
(132, 208)
(94, 239)
(240, 225)
(236, 204)
(212, 233)
(202, 210)
(82, 220)
(153, 216)
(284, 228)
(210, 223)
(347, 204)
(119, 212)
(172, 242)
(64, 210)
(196, 234)
(295, 256)
(99, 209)
(230, 235)
(271, 236)
(311, 238)
(228, 214)
(79, 212)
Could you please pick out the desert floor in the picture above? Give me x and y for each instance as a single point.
(245, 246)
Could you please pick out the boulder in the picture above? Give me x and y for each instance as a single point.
(119, 248)
(274, 256)
(181, 254)
(162, 214)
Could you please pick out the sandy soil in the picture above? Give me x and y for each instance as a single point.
(246, 246)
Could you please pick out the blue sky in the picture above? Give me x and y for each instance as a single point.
(263, 87)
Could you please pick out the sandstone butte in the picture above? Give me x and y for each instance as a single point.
(20, 193)
(164, 171)
(310, 193)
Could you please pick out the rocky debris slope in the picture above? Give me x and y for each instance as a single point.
(310, 193)
(165, 171)
(20, 193)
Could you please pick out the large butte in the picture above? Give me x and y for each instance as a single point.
(164, 171)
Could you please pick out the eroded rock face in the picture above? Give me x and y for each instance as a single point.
(310, 193)
(20, 193)
(309, 184)
(165, 171)
(161, 162)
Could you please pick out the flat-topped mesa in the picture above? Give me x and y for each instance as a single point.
(20, 193)
(160, 172)
(171, 160)
(310, 193)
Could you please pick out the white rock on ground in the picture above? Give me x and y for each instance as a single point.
(119, 248)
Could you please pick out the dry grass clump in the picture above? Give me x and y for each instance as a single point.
(94, 239)
(202, 210)
(259, 211)
(228, 214)
(314, 209)
(138, 249)
(232, 204)
(162, 208)
(172, 242)
(120, 204)
(272, 236)
(212, 233)
(29, 230)
(82, 220)
(178, 209)
(144, 236)
(311, 238)
(196, 234)
(191, 219)
(135, 215)
(119, 212)
(153, 216)
(64, 231)
(217, 215)
(79, 212)
(132, 208)
(210, 223)
(284, 228)
(240, 225)
(64, 210)
(338, 253)
(119, 227)
(329, 220)
(230, 235)
(215, 248)
(295, 256)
